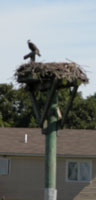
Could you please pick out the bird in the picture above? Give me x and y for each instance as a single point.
(33, 48)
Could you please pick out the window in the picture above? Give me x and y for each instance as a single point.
(4, 166)
(78, 171)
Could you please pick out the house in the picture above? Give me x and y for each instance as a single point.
(22, 164)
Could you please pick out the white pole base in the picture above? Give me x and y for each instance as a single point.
(50, 194)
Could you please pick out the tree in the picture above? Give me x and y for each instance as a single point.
(16, 109)
(83, 113)
(7, 95)
(24, 115)
(15, 106)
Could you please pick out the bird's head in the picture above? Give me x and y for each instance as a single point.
(28, 41)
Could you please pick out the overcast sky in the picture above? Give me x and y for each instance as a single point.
(60, 28)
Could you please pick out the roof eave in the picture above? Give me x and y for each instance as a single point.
(4, 154)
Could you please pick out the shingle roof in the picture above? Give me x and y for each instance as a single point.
(69, 142)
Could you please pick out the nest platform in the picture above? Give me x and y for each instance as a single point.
(68, 74)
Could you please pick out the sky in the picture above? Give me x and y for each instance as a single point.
(61, 29)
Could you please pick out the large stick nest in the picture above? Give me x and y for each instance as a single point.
(46, 71)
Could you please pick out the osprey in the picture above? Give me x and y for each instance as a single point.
(33, 47)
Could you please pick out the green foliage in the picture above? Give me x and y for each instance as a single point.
(16, 109)
(15, 106)
(83, 113)
(7, 95)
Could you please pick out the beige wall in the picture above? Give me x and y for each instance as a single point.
(75, 190)
(26, 181)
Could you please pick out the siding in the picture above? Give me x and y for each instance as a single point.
(26, 181)
(75, 190)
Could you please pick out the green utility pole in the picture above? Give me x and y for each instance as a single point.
(50, 158)
(50, 77)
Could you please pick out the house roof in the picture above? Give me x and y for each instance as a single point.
(69, 142)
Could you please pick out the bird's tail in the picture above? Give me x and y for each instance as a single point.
(37, 52)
